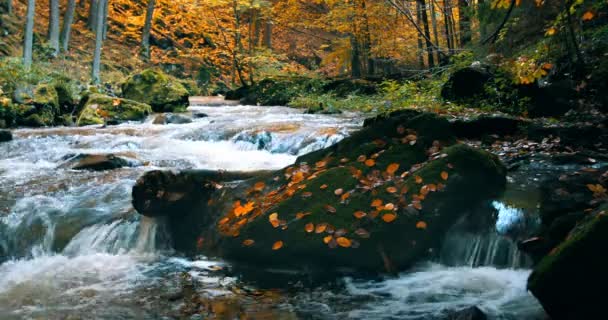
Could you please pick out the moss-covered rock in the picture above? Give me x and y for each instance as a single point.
(40, 107)
(100, 109)
(162, 92)
(407, 164)
(571, 281)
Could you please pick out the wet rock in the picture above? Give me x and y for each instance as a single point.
(5, 136)
(344, 87)
(571, 280)
(95, 162)
(470, 313)
(235, 221)
(485, 125)
(170, 118)
(321, 109)
(467, 83)
(199, 115)
(551, 99)
(102, 109)
(162, 92)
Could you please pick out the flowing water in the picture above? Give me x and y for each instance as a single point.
(72, 246)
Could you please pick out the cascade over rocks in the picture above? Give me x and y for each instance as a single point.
(152, 87)
(379, 200)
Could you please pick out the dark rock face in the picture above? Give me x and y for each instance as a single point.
(94, 162)
(570, 282)
(466, 83)
(488, 125)
(471, 313)
(5, 136)
(432, 183)
(551, 100)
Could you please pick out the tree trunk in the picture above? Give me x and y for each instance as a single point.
(464, 22)
(67, 25)
(268, 34)
(92, 21)
(434, 23)
(98, 42)
(145, 37)
(420, 54)
(54, 26)
(446, 25)
(367, 45)
(29, 34)
(355, 62)
(9, 6)
(427, 33)
(106, 7)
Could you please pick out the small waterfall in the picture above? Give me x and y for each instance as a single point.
(475, 250)
(493, 245)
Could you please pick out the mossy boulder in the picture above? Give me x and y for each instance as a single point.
(161, 91)
(100, 109)
(571, 281)
(407, 165)
(40, 107)
(417, 229)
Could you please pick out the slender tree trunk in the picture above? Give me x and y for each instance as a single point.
(367, 45)
(420, 43)
(268, 34)
(98, 42)
(145, 36)
(92, 21)
(257, 25)
(9, 6)
(355, 58)
(452, 26)
(427, 33)
(54, 26)
(237, 42)
(106, 7)
(29, 34)
(446, 25)
(464, 22)
(434, 23)
(67, 25)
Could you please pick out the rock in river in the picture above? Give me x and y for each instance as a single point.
(5, 136)
(381, 199)
(162, 92)
(96, 162)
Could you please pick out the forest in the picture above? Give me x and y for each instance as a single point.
(303, 159)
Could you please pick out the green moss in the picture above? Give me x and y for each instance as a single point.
(162, 92)
(100, 109)
(570, 278)
(476, 176)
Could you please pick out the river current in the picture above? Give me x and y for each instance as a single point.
(72, 246)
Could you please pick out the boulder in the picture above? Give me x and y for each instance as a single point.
(38, 106)
(5, 136)
(199, 115)
(170, 118)
(99, 109)
(470, 313)
(465, 84)
(379, 200)
(162, 92)
(570, 282)
(96, 162)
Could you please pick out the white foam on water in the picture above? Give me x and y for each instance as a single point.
(433, 290)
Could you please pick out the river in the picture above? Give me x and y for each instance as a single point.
(72, 246)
